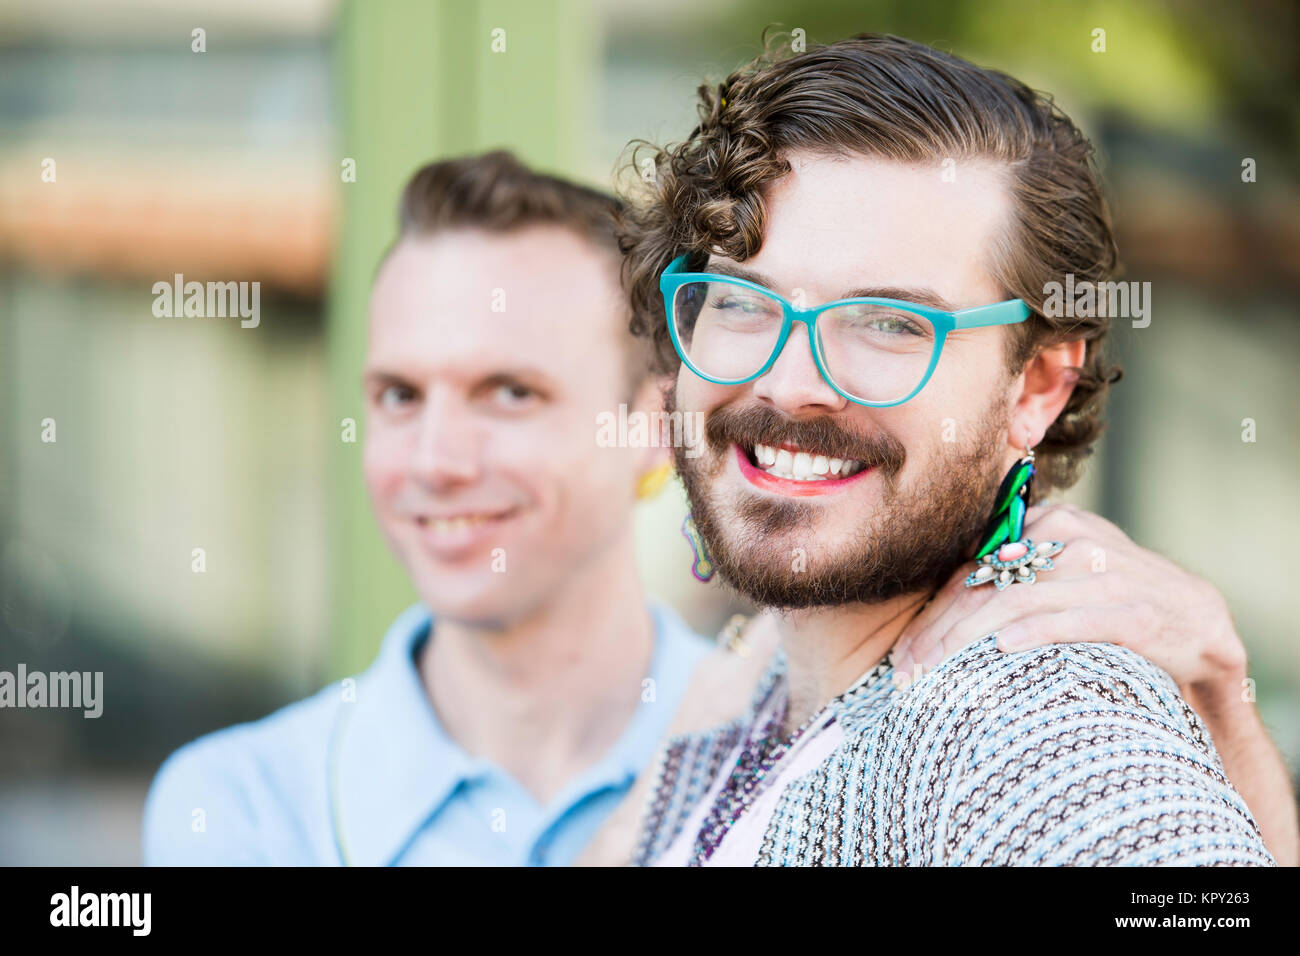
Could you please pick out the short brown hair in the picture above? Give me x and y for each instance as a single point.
(495, 192)
(891, 97)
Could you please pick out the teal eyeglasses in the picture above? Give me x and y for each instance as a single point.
(875, 352)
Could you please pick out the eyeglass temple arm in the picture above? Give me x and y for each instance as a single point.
(677, 265)
(999, 313)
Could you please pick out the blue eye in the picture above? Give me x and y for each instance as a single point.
(395, 396)
(514, 394)
(745, 304)
(881, 321)
(893, 324)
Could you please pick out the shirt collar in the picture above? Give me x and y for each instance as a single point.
(393, 765)
(855, 708)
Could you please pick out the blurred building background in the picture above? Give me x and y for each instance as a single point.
(174, 435)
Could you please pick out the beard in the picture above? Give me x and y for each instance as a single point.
(789, 554)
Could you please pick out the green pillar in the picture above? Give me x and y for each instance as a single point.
(420, 80)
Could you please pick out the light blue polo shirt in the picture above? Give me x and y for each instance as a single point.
(363, 773)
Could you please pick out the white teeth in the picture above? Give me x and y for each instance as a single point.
(802, 465)
(453, 525)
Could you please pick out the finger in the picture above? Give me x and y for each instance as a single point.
(920, 634)
(1072, 583)
(926, 646)
(938, 605)
(1053, 515)
(1112, 624)
(1062, 522)
(1017, 603)
(961, 615)
(1134, 627)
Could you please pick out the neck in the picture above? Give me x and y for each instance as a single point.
(546, 695)
(827, 649)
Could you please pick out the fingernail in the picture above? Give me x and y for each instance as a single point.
(1012, 639)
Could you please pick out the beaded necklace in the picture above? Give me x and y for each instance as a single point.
(748, 778)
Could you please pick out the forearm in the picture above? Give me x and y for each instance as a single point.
(1253, 765)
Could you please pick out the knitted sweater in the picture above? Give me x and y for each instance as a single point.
(1071, 754)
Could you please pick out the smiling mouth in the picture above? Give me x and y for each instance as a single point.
(793, 463)
(461, 523)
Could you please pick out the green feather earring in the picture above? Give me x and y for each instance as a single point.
(1004, 557)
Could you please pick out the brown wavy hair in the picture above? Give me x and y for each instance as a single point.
(885, 96)
(495, 192)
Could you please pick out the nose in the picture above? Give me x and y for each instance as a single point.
(446, 451)
(794, 384)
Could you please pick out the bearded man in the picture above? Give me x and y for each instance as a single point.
(846, 265)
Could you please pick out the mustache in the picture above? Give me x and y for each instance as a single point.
(759, 424)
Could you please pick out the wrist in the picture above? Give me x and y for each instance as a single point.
(1220, 685)
(1221, 699)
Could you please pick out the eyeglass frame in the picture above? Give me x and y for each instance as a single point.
(1009, 312)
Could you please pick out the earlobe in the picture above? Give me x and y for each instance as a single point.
(655, 459)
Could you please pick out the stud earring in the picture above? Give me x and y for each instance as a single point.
(653, 481)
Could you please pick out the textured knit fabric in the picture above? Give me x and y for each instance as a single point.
(1072, 754)
(744, 838)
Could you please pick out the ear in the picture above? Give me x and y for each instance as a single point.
(1047, 382)
(649, 399)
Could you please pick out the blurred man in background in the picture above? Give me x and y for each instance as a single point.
(501, 727)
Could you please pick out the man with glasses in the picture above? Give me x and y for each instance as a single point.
(508, 712)
(845, 265)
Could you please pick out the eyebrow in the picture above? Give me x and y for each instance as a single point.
(919, 296)
(535, 377)
(376, 377)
